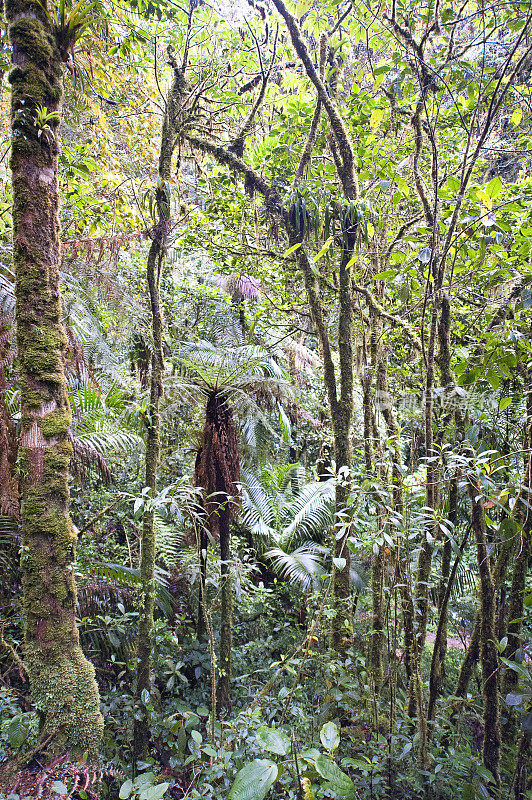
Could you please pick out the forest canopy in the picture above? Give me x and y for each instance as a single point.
(265, 399)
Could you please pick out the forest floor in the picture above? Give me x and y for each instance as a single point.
(452, 641)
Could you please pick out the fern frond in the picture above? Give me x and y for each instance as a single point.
(310, 513)
(303, 566)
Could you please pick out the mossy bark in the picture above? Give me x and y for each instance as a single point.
(473, 651)
(226, 613)
(9, 493)
(437, 673)
(62, 681)
(520, 784)
(342, 415)
(424, 563)
(155, 261)
(376, 645)
(524, 556)
(488, 650)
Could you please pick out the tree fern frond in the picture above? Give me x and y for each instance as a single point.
(169, 541)
(303, 566)
(113, 575)
(85, 457)
(258, 508)
(108, 441)
(310, 512)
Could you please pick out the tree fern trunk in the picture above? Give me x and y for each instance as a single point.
(63, 686)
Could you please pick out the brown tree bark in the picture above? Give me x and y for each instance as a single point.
(488, 650)
(156, 255)
(63, 685)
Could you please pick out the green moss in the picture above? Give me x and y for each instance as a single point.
(64, 692)
(15, 7)
(36, 42)
(43, 355)
(33, 399)
(62, 681)
(55, 424)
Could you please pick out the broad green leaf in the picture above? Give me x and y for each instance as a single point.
(402, 185)
(154, 792)
(517, 116)
(453, 183)
(339, 563)
(329, 734)
(59, 787)
(514, 699)
(340, 783)
(493, 188)
(274, 740)
(388, 273)
(310, 755)
(125, 789)
(376, 118)
(254, 780)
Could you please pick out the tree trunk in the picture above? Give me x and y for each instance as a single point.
(473, 651)
(226, 614)
(438, 671)
(62, 681)
(156, 255)
(488, 650)
(517, 591)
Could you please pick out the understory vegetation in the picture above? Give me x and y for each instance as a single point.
(265, 400)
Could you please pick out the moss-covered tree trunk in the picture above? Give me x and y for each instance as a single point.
(156, 256)
(473, 650)
(524, 554)
(226, 613)
(488, 649)
(63, 685)
(342, 415)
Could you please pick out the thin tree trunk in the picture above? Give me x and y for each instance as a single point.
(473, 651)
(440, 642)
(424, 563)
(226, 614)
(342, 415)
(488, 650)
(62, 681)
(437, 676)
(520, 784)
(201, 629)
(156, 255)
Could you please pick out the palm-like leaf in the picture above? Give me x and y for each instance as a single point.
(303, 566)
(287, 519)
(310, 512)
(233, 370)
